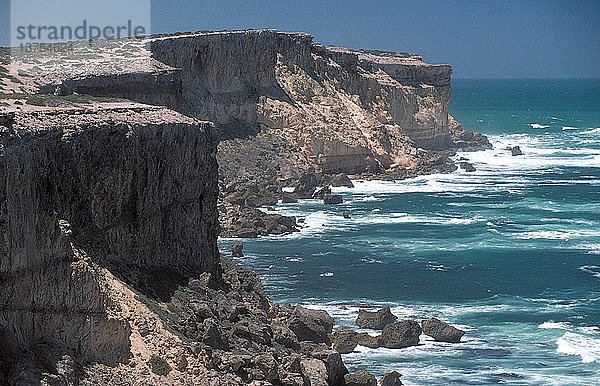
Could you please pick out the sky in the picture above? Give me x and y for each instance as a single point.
(480, 39)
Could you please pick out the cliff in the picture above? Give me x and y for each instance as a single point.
(88, 195)
(336, 109)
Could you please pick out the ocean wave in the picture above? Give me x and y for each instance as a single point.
(591, 131)
(538, 126)
(594, 270)
(570, 128)
(586, 347)
(554, 325)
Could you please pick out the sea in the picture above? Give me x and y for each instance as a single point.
(509, 253)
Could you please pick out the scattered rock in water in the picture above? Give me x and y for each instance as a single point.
(441, 331)
(237, 250)
(400, 334)
(289, 198)
(364, 339)
(301, 220)
(307, 185)
(311, 325)
(515, 150)
(360, 378)
(346, 215)
(467, 167)
(391, 379)
(339, 180)
(363, 305)
(345, 341)
(376, 320)
(333, 199)
(343, 307)
(322, 192)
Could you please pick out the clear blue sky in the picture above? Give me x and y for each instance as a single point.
(480, 39)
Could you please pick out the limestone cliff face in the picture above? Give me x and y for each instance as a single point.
(343, 111)
(83, 191)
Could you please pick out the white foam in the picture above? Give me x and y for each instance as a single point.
(554, 325)
(538, 126)
(586, 347)
(591, 131)
(570, 128)
(594, 270)
(326, 274)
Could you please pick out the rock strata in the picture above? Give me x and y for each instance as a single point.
(441, 331)
(376, 320)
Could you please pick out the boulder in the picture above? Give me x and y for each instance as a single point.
(391, 379)
(321, 193)
(467, 167)
(344, 341)
(289, 198)
(334, 365)
(314, 371)
(332, 199)
(376, 320)
(441, 331)
(400, 334)
(311, 325)
(364, 339)
(346, 215)
(360, 378)
(306, 186)
(515, 150)
(341, 180)
(284, 336)
(237, 250)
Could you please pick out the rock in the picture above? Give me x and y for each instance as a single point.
(267, 365)
(289, 198)
(332, 199)
(307, 185)
(343, 307)
(212, 335)
(360, 378)
(311, 325)
(364, 339)
(345, 341)
(363, 305)
(467, 167)
(341, 180)
(321, 193)
(400, 334)
(284, 336)
(181, 363)
(376, 320)
(237, 250)
(334, 365)
(314, 371)
(441, 331)
(391, 379)
(515, 150)
(346, 215)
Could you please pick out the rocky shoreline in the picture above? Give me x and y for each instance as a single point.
(118, 174)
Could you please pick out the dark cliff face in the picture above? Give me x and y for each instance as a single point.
(85, 191)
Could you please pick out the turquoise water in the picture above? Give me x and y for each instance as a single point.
(510, 253)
